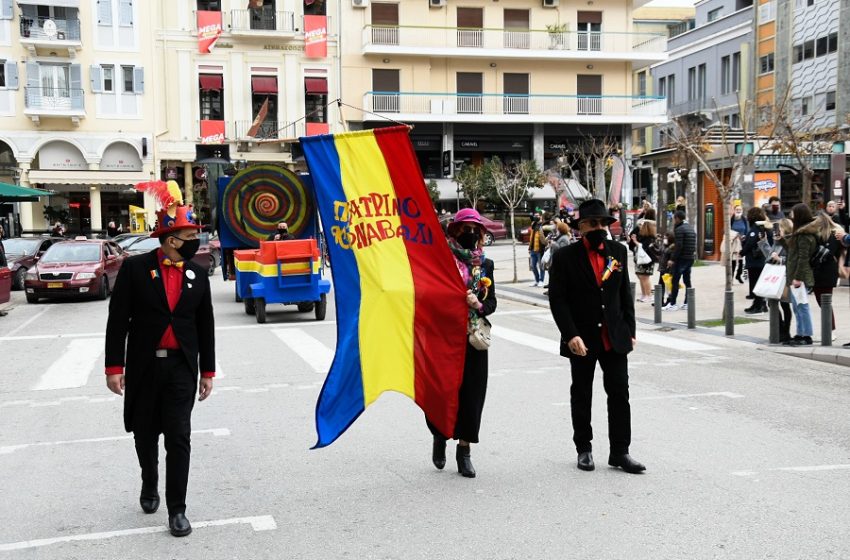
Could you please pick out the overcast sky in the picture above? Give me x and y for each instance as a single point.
(677, 3)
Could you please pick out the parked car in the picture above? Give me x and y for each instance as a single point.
(5, 284)
(82, 267)
(126, 239)
(204, 257)
(495, 228)
(22, 253)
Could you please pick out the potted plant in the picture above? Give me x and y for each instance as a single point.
(557, 35)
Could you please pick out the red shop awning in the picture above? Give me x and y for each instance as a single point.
(316, 86)
(211, 82)
(264, 84)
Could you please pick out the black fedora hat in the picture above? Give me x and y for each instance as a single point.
(595, 208)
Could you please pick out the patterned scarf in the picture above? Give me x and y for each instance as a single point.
(469, 266)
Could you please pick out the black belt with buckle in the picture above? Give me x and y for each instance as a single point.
(168, 353)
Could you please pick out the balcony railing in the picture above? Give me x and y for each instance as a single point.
(378, 37)
(59, 100)
(263, 19)
(50, 29)
(268, 130)
(557, 107)
(690, 106)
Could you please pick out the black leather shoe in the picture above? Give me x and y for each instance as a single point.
(438, 452)
(585, 461)
(802, 341)
(149, 500)
(179, 525)
(626, 463)
(464, 461)
(750, 296)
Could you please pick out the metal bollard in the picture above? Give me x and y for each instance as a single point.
(632, 286)
(659, 298)
(773, 307)
(729, 312)
(826, 319)
(690, 294)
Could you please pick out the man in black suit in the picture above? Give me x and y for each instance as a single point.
(590, 298)
(161, 309)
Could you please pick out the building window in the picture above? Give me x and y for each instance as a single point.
(316, 100)
(125, 13)
(725, 73)
(832, 42)
(714, 14)
(692, 83)
(108, 79)
(798, 53)
(642, 84)
(211, 97)
(767, 12)
(735, 121)
(662, 87)
(809, 50)
(127, 76)
(209, 5)
(589, 30)
(264, 107)
(806, 106)
(384, 23)
(386, 85)
(830, 101)
(736, 71)
(2, 73)
(766, 64)
(820, 46)
(671, 90)
(701, 81)
(810, 2)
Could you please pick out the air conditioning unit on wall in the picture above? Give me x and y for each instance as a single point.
(359, 3)
(550, 3)
(436, 3)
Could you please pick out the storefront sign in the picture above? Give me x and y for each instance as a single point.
(212, 132)
(61, 155)
(209, 30)
(765, 185)
(120, 157)
(316, 36)
(283, 47)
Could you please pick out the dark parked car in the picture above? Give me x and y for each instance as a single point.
(5, 284)
(205, 257)
(495, 228)
(22, 253)
(124, 240)
(83, 267)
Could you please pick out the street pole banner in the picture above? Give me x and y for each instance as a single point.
(400, 302)
(316, 36)
(209, 30)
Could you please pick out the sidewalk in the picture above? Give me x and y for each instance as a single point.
(708, 281)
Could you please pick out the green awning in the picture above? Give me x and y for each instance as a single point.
(15, 191)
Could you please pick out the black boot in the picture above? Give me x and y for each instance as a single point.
(740, 269)
(438, 452)
(464, 462)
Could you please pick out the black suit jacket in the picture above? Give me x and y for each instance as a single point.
(139, 315)
(580, 306)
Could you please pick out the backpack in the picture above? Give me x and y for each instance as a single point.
(821, 256)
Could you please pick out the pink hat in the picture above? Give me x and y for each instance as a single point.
(468, 215)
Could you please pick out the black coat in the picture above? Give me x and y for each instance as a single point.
(139, 315)
(580, 306)
(826, 275)
(750, 247)
(686, 242)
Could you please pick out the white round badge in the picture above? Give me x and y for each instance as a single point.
(190, 274)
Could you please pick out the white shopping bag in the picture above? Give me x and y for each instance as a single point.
(771, 282)
(800, 294)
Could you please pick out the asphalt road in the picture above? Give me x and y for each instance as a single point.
(748, 453)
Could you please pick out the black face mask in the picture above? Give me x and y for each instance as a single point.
(596, 237)
(189, 248)
(468, 240)
(282, 231)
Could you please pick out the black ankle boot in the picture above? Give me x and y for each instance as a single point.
(438, 452)
(464, 461)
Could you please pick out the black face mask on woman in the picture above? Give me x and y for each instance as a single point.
(596, 237)
(468, 240)
(189, 248)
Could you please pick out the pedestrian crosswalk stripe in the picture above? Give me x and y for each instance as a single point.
(530, 340)
(7, 449)
(308, 348)
(73, 367)
(674, 343)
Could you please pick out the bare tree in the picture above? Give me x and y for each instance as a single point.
(474, 183)
(513, 183)
(592, 155)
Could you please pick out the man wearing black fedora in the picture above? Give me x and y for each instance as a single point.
(591, 301)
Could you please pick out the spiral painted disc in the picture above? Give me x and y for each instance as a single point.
(259, 197)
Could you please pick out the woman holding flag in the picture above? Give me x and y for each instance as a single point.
(466, 239)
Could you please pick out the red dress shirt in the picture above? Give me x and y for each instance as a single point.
(597, 261)
(172, 281)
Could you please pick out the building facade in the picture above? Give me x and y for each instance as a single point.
(522, 80)
(75, 114)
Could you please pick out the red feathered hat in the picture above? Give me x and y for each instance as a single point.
(173, 215)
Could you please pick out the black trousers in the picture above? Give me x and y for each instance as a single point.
(615, 378)
(473, 389)
(164, 406)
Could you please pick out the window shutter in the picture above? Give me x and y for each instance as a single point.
(6, 9)
(104, 12)
(138, 80)
(125, 13)
(11, 74)
(96, 78)
(33, 76)
(29, 12)
(76, 75)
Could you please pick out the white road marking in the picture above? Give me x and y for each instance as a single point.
(257, 523)
(673, 343)
(812, 468)
(72, 369)
(726, 394)
(7, 449)
(532, 341)
(219, 372)
(308, 348)
(29, 321)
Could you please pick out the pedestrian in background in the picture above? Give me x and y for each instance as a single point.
(774, 212)
(160, 330)
(684, 254)
(466, 240)
(798, 270)
(754, 256)
(536, 248)
(642, 238)
(591, 301)
(826, 272)
(779, 255)
(740, 228)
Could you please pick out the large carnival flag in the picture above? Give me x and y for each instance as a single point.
(400, 305)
